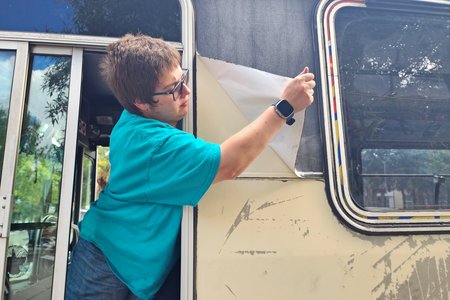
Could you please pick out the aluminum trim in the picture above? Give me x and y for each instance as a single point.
(68, 173)
(187, 222)
(96, 42)
(12, 144)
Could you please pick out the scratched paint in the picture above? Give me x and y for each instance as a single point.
(273, 239)
(247, 211)
(306, 254)
(411, 269)
(426, 276)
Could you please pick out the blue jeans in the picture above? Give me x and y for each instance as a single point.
(89, 276)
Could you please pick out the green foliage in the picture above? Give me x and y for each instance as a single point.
(56, 83)
(30, 138)
(36, 189)
(39, 166)
(103, 165)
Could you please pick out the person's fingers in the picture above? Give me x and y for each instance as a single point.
(305, 70)
(310, 84)
(306, 76)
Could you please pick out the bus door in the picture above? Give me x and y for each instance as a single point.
(39, 104)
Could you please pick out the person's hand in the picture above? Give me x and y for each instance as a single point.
(300, 90)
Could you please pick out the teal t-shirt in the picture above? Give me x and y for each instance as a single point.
(155, 170)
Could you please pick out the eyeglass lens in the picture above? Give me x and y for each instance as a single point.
(179, 88)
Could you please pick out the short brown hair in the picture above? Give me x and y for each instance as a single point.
(133, 66)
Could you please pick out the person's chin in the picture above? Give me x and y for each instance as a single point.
(182, 115)
(183, 111)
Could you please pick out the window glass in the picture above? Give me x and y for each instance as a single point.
(37, 184)
(394, 75)
(87, 183)
(405, 178)
(7, 59)
(102, 170)
(100, 18)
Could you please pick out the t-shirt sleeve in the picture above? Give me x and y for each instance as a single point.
(182, 170)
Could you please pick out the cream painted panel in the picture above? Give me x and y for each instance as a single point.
(218, 118)
(269, 239)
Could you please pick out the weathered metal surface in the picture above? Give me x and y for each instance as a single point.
(261, 238)
(279, 240)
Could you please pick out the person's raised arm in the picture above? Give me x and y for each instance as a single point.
(238, 151)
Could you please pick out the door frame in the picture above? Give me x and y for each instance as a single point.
(20, 41)
(21, 78)
(16, 107)
(67, 176)
(187, 222)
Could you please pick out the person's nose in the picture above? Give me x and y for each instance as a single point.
(186, 90)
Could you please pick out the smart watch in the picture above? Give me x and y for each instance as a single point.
(285, 110)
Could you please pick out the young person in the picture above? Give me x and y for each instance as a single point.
(129, 236)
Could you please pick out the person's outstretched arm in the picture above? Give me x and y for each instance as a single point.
(238, 151)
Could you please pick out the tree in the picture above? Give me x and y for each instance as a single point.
(56, 84)
(116, 18)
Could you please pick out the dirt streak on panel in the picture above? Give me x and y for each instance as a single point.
(429, 278)
(231, 291)
(272, 203)
(253, 252)
(245, 213)
(388, 254)
(387, 280)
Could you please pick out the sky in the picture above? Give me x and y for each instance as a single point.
(38, 97)
(6, 70)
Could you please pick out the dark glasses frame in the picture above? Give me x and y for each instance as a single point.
(180, 84)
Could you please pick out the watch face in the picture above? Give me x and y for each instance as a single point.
(285, 108)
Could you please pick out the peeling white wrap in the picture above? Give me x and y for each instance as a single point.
(252, 91)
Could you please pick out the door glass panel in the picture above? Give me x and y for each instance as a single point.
(7, 60)
(103, 168)
(31, 248)
(86, 185)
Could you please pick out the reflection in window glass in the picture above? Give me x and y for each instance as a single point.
(37, 182)
(394, 72)
(7, 60)
(87, 17)
(406, 178)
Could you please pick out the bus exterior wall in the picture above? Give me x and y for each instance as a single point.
(271, 234)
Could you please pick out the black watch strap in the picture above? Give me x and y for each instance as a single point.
(290, 121)
(285, 110)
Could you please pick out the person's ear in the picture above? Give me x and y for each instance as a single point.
(142, 106)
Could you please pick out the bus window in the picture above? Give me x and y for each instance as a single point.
(390, 112)
(99, 18)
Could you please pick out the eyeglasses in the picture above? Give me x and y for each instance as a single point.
(178, 89)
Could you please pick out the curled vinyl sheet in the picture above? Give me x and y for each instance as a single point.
(253, 91)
